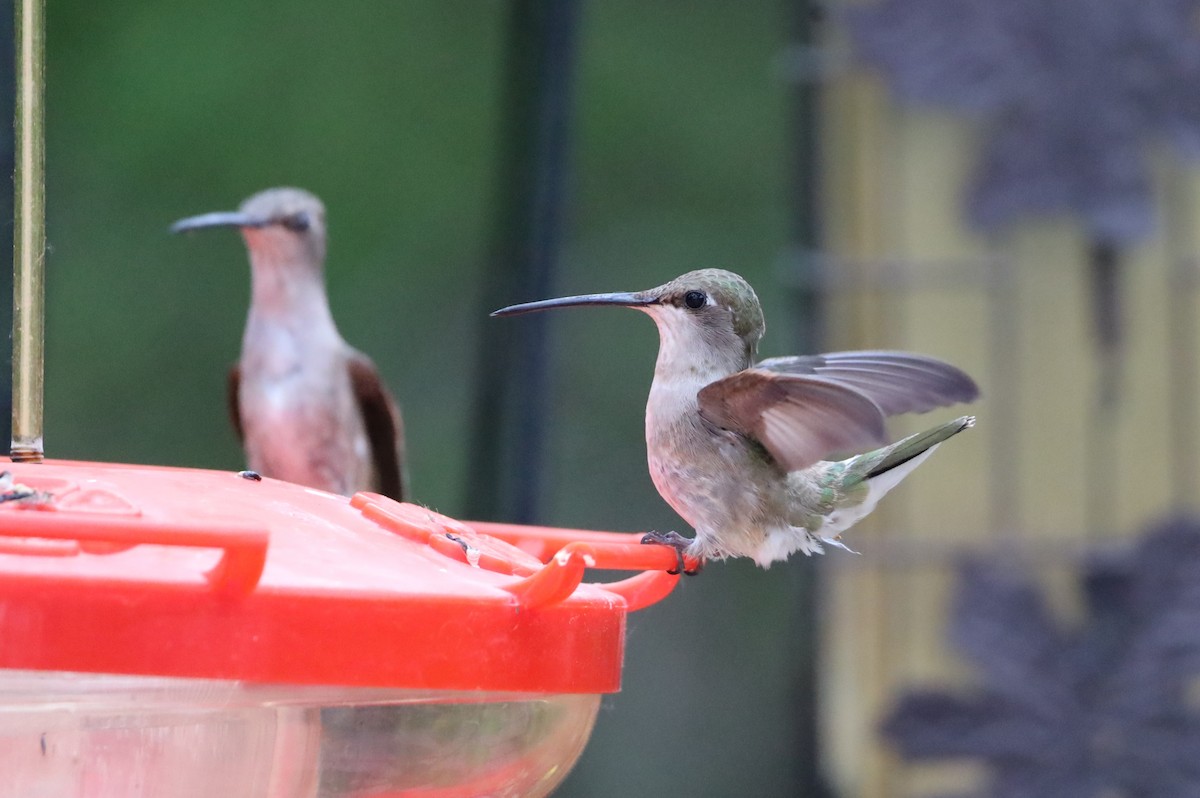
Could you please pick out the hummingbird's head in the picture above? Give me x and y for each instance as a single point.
(718, 304)
(280, 225)
(705, 312)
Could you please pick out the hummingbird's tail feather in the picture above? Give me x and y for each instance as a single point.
(903, 451)
(861, 481)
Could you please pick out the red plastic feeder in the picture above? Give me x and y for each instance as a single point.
(177, 632)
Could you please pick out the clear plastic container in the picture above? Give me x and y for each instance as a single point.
(72, 734)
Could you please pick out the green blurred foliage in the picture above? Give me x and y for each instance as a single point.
(388, 111)
(158, 111)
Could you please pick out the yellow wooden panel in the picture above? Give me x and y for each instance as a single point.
(1057, 378)
(1143, 434)
(947, 498)
(936, 156)
(852, 689)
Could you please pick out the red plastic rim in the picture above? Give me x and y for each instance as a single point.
(182, 572)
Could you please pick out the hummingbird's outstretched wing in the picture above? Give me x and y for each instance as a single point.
(385, 430)
(233, 386)
(899, 382)
(798, 418)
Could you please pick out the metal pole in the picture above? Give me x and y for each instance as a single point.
(504, 479)
(29, 240)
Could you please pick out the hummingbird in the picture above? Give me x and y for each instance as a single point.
(307, 407)
(736, 446)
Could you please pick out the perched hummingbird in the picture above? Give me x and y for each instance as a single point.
(307, 407)
(736, 447)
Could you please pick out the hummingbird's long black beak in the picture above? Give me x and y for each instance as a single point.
(630, 300)
(218, 219)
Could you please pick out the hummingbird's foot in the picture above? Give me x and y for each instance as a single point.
(680, 544)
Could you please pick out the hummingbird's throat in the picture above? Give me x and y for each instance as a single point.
(692, 351)
(288, 293)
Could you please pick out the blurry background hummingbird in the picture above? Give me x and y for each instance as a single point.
(736, 447)
(308, 407)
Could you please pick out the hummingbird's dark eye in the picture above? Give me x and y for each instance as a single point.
(297, 222)
(695, 299)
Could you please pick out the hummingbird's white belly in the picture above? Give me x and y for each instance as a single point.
(739, 505)
(710, 477)
(716, 484)
(739, 502)
(301, 437)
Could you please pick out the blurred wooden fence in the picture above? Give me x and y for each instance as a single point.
(1045, 473)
